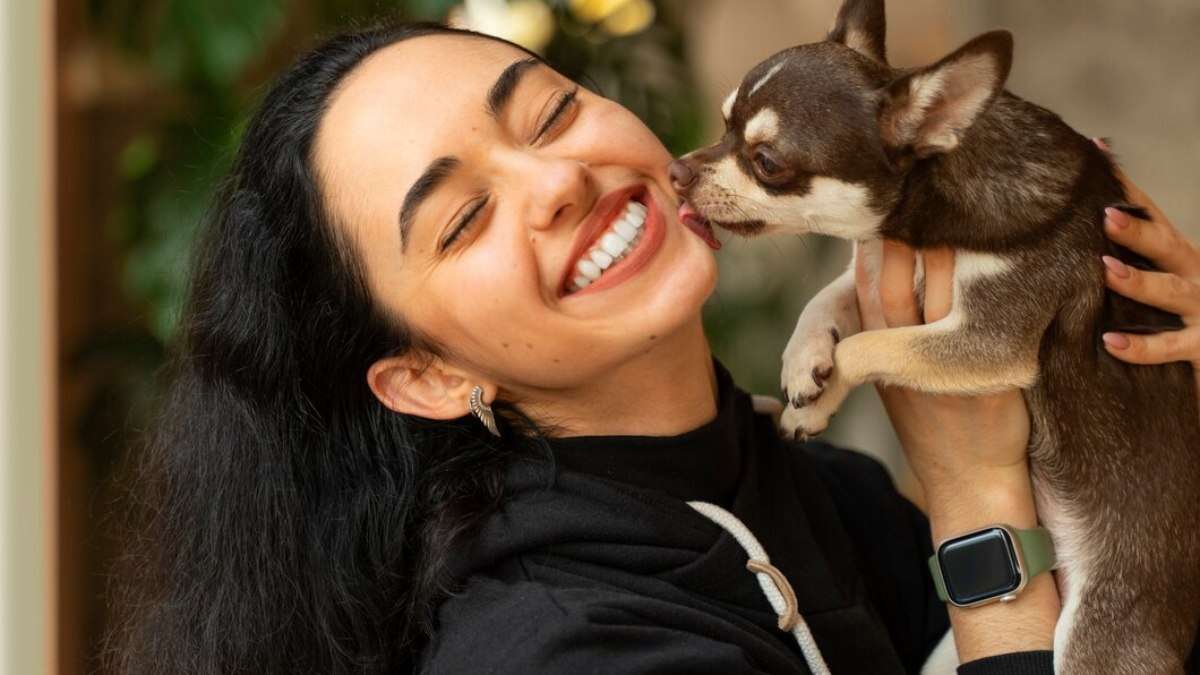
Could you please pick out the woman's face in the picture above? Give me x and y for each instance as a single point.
(472, 181)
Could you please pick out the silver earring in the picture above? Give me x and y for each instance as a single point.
(483, 411)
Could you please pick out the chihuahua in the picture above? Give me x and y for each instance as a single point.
(829, 138)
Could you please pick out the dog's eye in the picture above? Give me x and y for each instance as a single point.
(766, 167)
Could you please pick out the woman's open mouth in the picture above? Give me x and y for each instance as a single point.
(630, 231)
(614, 244)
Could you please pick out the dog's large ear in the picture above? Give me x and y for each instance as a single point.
(930, 109)
(862, 26)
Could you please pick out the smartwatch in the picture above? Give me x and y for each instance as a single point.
(990, 564)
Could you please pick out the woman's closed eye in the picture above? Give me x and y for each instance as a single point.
(560, 111)
(470, 215)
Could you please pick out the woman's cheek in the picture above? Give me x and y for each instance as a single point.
(614, 135)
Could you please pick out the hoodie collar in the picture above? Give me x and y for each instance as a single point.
(704, 463)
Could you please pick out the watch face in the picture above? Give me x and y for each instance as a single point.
(979, 566)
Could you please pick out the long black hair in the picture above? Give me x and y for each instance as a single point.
(285, 520)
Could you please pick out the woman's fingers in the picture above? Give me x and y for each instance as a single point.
(896, 293)
(1132, 192)
(939, 282)
(1156, 239)
(1179, 345)
(1163, 290)
(894, 301)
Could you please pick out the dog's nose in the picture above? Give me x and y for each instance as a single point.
(682, 176)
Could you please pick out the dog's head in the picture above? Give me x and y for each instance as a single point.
(818, 138)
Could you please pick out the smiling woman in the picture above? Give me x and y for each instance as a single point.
(396, 231)
(525, 198)
(424, 224)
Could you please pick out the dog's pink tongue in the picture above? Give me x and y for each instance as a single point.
(695, 222)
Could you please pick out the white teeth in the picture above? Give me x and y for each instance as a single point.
(588, 269)
(622, 237)
(602, 259)
(625, 229)
(612, 244)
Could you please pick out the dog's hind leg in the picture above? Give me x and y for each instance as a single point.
(1114, 629)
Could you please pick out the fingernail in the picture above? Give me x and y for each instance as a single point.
(1115, 341)
(1116, 218)
(1100, 143)
(1116, 266)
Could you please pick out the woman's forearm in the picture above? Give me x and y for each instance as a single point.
(970, 455)
(1001, 495)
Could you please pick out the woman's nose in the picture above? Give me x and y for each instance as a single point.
(682, 176)
(558, 189)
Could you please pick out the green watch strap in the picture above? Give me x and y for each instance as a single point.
(1037, 550)
(939, 584)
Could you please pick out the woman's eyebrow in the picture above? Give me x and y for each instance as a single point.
(437, 171)
(502, 90)
(498, 97)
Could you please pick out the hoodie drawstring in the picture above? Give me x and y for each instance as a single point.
(774, 585)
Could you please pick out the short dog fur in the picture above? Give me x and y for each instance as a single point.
(829, 138)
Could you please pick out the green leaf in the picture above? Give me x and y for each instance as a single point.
(429, 10)
(139, 156)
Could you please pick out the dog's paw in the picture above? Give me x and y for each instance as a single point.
(804, 423)
(808, 366)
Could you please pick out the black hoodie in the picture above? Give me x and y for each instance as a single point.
(599, 566)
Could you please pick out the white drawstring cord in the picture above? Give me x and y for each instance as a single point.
(774, 585)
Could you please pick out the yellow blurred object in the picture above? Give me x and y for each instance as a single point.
(633, 17)
(594, 11)
(616, 17)
(529, 23)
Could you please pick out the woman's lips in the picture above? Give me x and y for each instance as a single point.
(653, 234)
(605, 212)
(697, 223)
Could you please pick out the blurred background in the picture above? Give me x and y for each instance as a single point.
(117, 117)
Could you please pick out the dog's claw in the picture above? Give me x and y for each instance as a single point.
(802, 424)
(799, 435)
(808, 371)
(821, 375)
(802, 401)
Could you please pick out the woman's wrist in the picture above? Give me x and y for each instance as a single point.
(987, 496)
(980, 497)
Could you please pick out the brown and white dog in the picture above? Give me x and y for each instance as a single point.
(829, 138)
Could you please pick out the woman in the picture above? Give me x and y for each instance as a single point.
(400, 235)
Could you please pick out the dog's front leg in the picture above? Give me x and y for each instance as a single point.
(943, 357)
(808, 359)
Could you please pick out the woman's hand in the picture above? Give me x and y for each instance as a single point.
(1175, 289)
(952, 442)
(968, 452)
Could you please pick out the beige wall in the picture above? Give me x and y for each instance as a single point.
(23, 355)
(1114, 68)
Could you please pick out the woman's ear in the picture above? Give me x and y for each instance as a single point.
(426, 387)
